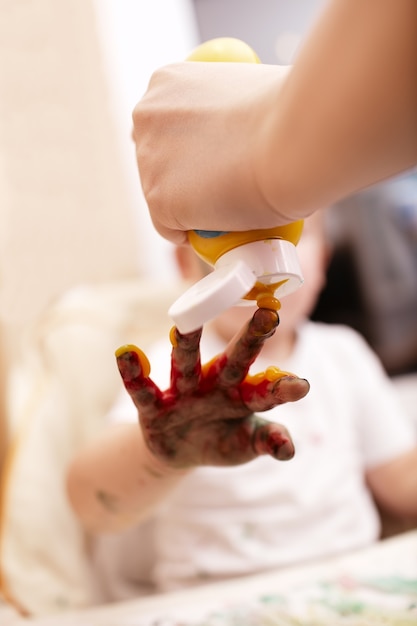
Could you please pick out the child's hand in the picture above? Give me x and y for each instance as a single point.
(207, 416)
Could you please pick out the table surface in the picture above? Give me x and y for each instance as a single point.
(363, 586)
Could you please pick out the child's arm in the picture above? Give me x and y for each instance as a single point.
(394, 485)
(115, 481)
(206, 417)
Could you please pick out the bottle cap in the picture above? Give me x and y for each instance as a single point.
(271, 262)
(212, 295)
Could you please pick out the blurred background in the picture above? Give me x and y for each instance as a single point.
(72, 211)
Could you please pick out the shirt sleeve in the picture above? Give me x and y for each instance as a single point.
(385, 430)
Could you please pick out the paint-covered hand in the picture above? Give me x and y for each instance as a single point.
(208, 414)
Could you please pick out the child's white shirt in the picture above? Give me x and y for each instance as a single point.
(222, 522)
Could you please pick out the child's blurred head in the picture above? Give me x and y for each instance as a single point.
(313, 253)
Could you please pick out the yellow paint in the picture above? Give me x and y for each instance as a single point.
(264, 295)
(173, 337)
(143, 359)
(205, 367)
(271, 374)
(268, 301)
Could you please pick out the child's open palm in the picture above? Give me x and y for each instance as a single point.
(208, 414)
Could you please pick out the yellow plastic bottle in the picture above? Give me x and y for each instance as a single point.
(259, 265)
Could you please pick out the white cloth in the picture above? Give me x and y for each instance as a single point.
(223, 522)
(62, 385)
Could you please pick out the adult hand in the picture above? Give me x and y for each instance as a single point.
(207, 416)
(198, 134)
(241, 146)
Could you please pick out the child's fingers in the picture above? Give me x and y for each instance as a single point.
(265, 394)
(134, 369)
(185, 361)
(273, 439)
(243, 349)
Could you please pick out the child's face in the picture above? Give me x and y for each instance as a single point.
(313, 257)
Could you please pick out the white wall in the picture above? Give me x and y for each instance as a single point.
(65, 211)
(137, 37)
